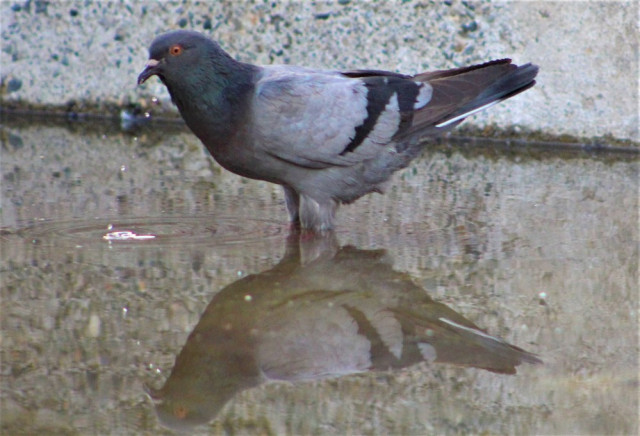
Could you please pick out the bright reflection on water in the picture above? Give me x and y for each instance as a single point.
(143, 286)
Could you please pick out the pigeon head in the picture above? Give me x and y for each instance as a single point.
(209, 87)
(185, 58)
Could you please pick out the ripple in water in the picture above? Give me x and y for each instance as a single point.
(145, 231)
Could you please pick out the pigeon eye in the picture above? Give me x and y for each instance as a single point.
(175, 50)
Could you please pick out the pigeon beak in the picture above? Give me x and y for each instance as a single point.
(150, 70)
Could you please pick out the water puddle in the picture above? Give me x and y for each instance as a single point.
(144, 288)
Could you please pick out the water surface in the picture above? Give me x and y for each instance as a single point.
(116, 247)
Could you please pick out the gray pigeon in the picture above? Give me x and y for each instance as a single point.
(328, 137)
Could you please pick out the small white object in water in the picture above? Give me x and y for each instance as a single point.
(126, 236)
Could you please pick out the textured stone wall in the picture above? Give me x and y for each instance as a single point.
(85, 55)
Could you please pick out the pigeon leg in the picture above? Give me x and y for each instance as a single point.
(317, 215)
(292, 200)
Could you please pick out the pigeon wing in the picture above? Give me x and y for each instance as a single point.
(318, 119)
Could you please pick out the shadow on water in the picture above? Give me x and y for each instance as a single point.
(131, 259)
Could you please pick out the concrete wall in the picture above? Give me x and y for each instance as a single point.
(86, 55)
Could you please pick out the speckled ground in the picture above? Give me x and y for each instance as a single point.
(85, 56)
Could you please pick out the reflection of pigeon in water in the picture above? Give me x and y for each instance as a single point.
(328, 137)
(342, 311)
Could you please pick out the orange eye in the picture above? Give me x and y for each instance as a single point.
(175, 50)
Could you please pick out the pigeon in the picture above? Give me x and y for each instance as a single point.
(327, 137)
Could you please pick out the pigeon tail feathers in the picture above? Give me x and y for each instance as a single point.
(461, 92)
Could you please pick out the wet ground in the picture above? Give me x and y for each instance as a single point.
(144, 287)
